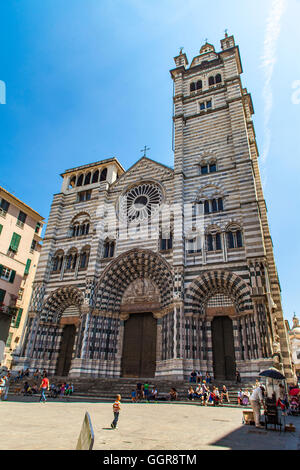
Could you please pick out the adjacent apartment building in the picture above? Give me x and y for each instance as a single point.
(20, 237)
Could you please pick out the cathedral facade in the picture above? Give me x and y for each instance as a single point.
(155, 271)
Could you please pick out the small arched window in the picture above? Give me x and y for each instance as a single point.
(212, 167)
(211, 81)
(166, 242)
(103, 175)
(206, 207)
(218, 78)
(192, 86)
(109, 249)
(80, 180)
(95, 178)
(87, 178)
(84, 259)
(234, 238)
(214, 205)
(199, 85)
(220, 204)
(72, 182)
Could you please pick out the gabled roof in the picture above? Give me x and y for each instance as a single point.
(169, 169)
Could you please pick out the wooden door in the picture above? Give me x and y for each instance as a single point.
(223, 349)
(66, 350)
(139, 347)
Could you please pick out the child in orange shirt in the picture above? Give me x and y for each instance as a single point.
(116, 410)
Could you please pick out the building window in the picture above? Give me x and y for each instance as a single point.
(9, 338)
(84, 196)
(37, 227)
(109, 249)
(103, 175)
(20, 294)
(84, 260)
(27, 267)
(234, 239)
(205, 105)
(15, 323)
(80, 180)
(212, 167)
(33, 246)
(192, 86)
(87, 178)
(214, 205)
(213, 242)
(211, 81)
(199, 85)
(15, 241)
(95, 177)
(4, 205)
(21, 219)
(204, 170)
(7, 274)
(218, 78)
(166, 243)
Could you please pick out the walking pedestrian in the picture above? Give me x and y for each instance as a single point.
(44, 387)
(116, 411)
(7, 383)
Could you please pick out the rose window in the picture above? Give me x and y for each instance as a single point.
(141, 202)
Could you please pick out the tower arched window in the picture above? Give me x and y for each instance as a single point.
(80, 180)
(87, 178)
(214, 205)
(212, 167)
(218, 78)
(192, 86)
(57, 262)
(103, 175)
(166, 242)
(206, 207)
(72, 182)
(109, 249)
(214, 241)
(95, 178)
(234, 238)
(84, 258)
(199, 85)
(211, 80)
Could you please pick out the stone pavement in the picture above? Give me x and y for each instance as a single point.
(28, 424)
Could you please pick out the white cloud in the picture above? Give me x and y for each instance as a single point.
(268, 62)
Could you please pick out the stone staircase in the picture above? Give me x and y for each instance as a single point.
(106, 389)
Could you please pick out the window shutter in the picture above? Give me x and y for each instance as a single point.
(2, 295)
(8, 342)
(27, 267)
(1, 227)
(1, 269)
(18, 319)
(15, 241)
(12, 276)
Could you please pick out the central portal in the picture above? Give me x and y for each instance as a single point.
(223, 348)
(139, 349)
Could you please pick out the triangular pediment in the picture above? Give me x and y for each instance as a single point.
(145, 168)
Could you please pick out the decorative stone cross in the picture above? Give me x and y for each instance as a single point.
(145, 150)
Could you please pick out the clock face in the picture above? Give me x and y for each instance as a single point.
(141, 202)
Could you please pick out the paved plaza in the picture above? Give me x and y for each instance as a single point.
(28, 424)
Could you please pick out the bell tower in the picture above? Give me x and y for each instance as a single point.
(216, 171)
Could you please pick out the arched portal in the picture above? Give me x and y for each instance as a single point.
(128, 267)
(138, 286)
(220, 303)
(59, 321)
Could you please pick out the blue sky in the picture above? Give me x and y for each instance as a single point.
(89, 79)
